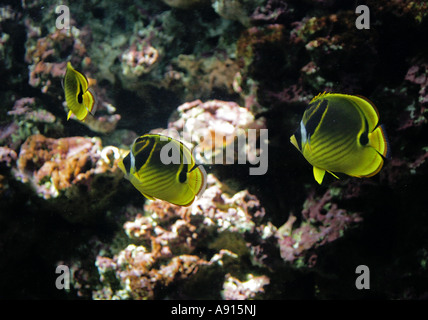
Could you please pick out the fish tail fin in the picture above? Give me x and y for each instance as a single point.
(93, 102)
(379, 141)
(198, 180)
(90, 102)
(319, 174)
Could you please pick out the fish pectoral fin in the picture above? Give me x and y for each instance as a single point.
(333, 174)
(319, 174)
(147, 196)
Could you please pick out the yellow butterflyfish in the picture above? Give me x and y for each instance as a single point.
(341, 133)
(79, 97)
(161, 167)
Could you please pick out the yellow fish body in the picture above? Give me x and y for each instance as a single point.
(163, 168)
(341, 133)
(80, 99)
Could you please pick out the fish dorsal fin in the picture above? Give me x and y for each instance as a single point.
(368, 109)
(319, 96)
(94, 106)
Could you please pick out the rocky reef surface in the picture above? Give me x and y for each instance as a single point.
(209, 72)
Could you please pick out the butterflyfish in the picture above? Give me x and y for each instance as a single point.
(341, 133)
(161, 167)
(79, 97)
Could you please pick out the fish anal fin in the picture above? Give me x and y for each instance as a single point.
(319, 174)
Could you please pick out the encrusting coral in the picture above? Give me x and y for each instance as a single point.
(69, 169)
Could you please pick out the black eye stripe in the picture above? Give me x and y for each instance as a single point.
(315, 118)
(298, 135)
(80, 95)
(127, 163)
(182, 176)
(364, 137)
(142, 153)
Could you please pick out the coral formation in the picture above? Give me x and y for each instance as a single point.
(68, 167)
(186, 4)
(170, 236)
(204, 75)
(209, 72)
(213, 126)
(137, 61)
(236, 290)
(323, 222)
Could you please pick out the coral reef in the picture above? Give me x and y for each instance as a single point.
(169, 238)
(186, 4)
(236, 290)
(213, 126)
(138, 60)
(322, 222)
(28, 117)
(209, 72)
(204, 75)
(68, 168)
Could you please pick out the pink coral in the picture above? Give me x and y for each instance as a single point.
(418, 74)
(139, 59)
(233, 289)
(322, 222)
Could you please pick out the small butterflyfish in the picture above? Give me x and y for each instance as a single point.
(341, 133)
(161, 167)
(79, 97)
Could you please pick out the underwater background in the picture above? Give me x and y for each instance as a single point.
(208, 67)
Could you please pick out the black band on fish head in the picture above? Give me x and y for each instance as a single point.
(142, 149)
(315, 118)
(80, 94)
(127, 163)
(298, 136)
